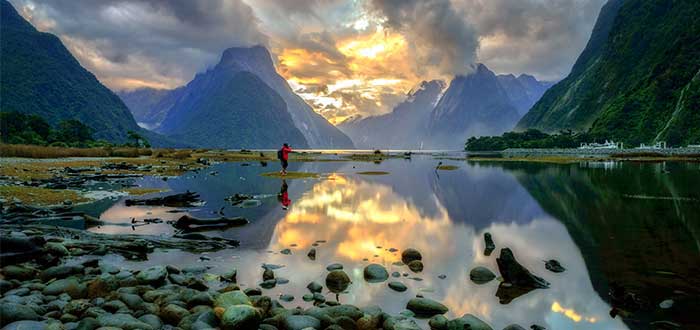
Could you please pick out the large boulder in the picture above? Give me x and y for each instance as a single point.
(300, 322)
(25, 325)
(70, 285)
(232, 298)
(240, 317)
(517, 275)
(123, 321)
(375, 273)
(424, 307)
(13, 272)
(468, 321)
(61, 271)
(152, 276)
(11, 312)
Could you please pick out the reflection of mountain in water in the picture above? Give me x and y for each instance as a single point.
(637, 226)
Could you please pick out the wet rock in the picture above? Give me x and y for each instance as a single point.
(374, 273)
(438, 322)
(200, 299)
(312, 254)
(314, 287)
(268, 284)
(90, 323)
(240, 317)
(286, 251)
(70, 285)
(666, 304)
(333, 267)
(468, 321)
(514, 327)
(152, 320)
(61, 271)
(152, 276)
(13, 272)
(517, 275)
(268, 274)
(25, 325)
(308, 297)
(56, 249)
(397, 286)
(173, 314)
(77, 307)
(11, 312)
(230, 276)
(286, 297)
(425, 307)
(489, 246)
(416, 266)
(554, 266)
(299, 322)
(395, 274)
(409, 255)
(133, 301)
(123, 321)
(539, 327)
(252, 292)
(481, 275)
(337, 281)
(232, 298)
(319, 298)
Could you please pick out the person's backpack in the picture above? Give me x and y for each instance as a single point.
(279, 154)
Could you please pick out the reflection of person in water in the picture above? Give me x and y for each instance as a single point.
(283, 196)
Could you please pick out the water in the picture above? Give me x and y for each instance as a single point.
(634, 225)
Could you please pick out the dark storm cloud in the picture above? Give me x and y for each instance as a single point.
(159, 42)
(439, 35)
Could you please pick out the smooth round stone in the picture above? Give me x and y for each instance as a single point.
(397, 286)
(415, 266)
(287, 297)
(426, 307)
(375, 273)
(409, 255)
(153, 275)
(300, 322)
(337, 281)
(240, 317)
(123, 321)
(481, 275)
(286, 251)
(395, 274)
(469, 321)
(25, 325)
(314, 287)
(333, 267)
(307, 297)
(666, 304)
(231, 298)
(438, 322)
(10, 312)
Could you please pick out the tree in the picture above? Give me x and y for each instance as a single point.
(138, 140)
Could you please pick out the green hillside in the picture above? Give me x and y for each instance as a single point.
(39, 76)
(638, 79)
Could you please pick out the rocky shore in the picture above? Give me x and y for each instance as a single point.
(51, 279)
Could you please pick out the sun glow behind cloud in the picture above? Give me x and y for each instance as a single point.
(371, 76)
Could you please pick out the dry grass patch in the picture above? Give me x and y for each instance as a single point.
(373, 173)
(291, 175)
(138, 191)
(447, 167)
(40, 196)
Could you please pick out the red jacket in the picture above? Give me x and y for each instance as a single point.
(285, 152)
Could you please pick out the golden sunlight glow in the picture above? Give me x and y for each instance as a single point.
(571, 314)
(370, 76)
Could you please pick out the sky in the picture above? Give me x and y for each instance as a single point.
(344, 57)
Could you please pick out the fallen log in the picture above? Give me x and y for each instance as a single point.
(186, 199)
(187, 222)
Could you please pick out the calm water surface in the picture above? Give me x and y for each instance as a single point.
(633, 225)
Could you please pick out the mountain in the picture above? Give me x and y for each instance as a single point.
(404, 127)
(523, 91)
(230, 107)
(40, 76)
(317, 130)
(637, 80)
(149, 105)
(474, 104)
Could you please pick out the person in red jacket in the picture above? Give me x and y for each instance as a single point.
(283, 155)
(283, 196)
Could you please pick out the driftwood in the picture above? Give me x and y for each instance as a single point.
(186, 199)
(187, 223)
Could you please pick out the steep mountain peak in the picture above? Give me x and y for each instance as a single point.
(247, 58)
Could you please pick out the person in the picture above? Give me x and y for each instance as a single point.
(283, 196)
(283, 155)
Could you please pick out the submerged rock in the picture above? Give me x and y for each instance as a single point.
(554, 266)
(409, 255)
(489, 246)
(375, 273)
(517, 275)
(481, 275)
(333, 267)
(468, 321)
(416, 266)
(425, 307)
(315, 287)
(397, 286)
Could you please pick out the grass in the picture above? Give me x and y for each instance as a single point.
(373, 173)
(40, 196)
(447, 167)
(291, 175)
(137, 191)
(33, 151)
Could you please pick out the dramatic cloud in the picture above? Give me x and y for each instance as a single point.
(344, 57)
(158, 43)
